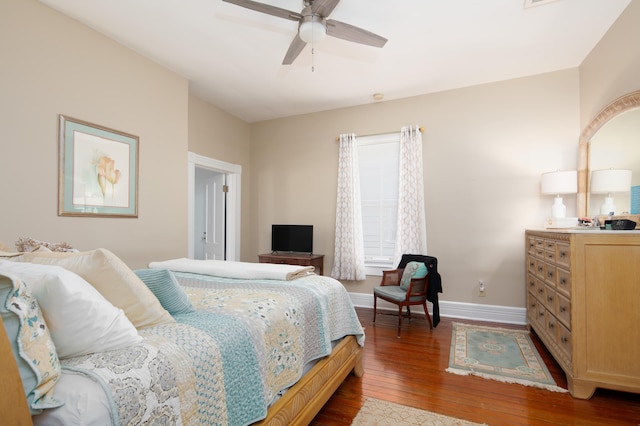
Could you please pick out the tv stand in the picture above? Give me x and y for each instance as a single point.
(302, 259)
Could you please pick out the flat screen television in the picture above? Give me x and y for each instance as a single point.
(292, 238)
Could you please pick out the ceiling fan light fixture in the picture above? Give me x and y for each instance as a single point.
(312, 29)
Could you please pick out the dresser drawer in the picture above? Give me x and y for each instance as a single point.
(531, 264)
(551, 325)
(550, 299)
(550, 255)
(531, 283)
(564, 340)
(532, 306)
(540, 315)
(550, 274)
(563, 309)
(563, 255)
(540, 288)
(563, 282)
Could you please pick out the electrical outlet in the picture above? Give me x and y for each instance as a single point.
(482, 289)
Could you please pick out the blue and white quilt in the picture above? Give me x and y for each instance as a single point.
(225, 363)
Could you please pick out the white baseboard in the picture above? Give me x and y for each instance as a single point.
(471, 311)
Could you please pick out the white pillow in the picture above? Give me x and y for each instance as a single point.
(80, 319)
(108, 274)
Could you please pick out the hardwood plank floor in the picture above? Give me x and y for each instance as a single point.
(411, 371)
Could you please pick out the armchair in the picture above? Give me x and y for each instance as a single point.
(415, 286)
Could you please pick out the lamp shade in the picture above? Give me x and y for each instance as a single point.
(607, 181)
(560, 182)
(312, 30)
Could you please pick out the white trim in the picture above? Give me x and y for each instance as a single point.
(461, 310)
(233, 172)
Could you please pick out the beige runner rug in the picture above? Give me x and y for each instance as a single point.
(382, 413)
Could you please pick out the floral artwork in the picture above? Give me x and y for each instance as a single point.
(107, 173)
(98, 171)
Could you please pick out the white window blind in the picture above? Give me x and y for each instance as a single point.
(378, 158)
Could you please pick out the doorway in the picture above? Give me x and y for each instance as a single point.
(214, 209)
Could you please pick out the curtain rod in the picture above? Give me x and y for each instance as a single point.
(421, 128)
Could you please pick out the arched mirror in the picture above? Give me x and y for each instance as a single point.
(611, 140)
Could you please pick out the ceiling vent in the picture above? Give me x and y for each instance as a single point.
(531, 3)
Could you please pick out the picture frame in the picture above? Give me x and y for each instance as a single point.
(98, 170)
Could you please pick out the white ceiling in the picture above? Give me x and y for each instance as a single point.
(232, 56)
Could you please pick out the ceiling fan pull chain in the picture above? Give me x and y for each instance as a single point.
(313, 60)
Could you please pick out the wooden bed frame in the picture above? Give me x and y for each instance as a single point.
(298, 406)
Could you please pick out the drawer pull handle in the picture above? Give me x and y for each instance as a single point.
(563, 281)
(539, 268)
(540, 290)
(550, 274)
(563, 309)
(531, 283)
(550, 298)
(551, 325)
(541, 314)
(564, 339)
(562, 254)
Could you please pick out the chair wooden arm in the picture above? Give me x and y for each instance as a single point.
(392, 277)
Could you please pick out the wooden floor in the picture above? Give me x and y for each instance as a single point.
(411, 371)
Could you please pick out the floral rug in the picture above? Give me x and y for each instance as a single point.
(500, 354)
(383, 413)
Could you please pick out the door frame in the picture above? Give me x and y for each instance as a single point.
(233, 173)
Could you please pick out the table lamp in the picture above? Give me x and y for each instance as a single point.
(558, 183)
(608, 181)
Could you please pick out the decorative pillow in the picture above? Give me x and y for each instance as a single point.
(7, 252)
(164, 285)
(33, 348)
(29, 244)
(412, 270)
(80, 319)
(114, 280)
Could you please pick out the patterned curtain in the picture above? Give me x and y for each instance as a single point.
(411, 230)
(348, 262)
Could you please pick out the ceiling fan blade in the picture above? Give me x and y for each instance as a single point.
(351, 33)
(268, 9)
(324, 7)
(295, 48)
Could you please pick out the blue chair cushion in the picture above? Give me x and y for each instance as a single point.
(393, 292)
(412, 270)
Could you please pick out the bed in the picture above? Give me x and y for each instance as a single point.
(185, 342)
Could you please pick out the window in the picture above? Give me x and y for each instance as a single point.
(378, 158)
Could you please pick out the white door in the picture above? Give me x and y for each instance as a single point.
(214, 217)
(210, 215)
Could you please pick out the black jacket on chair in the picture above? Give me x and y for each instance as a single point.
(435, 281)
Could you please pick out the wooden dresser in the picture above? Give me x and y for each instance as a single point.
(583, 301)
(302, 259)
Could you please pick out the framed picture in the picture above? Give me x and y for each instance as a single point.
(98, 173)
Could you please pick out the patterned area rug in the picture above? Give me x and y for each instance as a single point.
(499, 354)
(383, 413)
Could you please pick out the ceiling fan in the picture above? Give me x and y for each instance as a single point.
(313, 25)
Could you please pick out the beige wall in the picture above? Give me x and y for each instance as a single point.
(612, 69)
(484, 150)
(53, 65)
